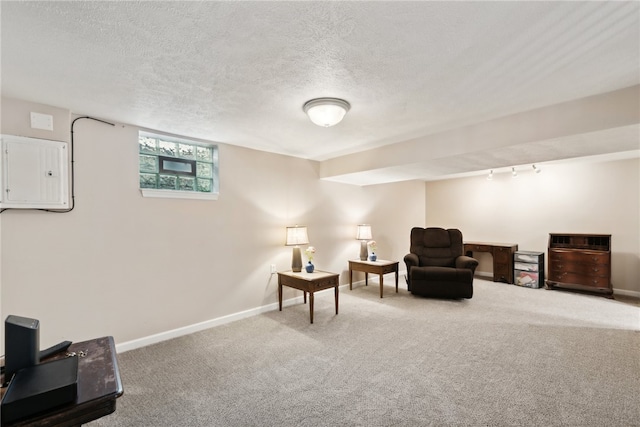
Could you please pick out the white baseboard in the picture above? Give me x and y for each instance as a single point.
(484, 274)
(186, 330)
(626, 292)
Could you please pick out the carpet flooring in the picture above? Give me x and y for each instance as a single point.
(510, 356)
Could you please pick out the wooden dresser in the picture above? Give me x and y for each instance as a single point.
(580, 262)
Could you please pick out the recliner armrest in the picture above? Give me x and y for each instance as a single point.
(464, 261)
(410, 260)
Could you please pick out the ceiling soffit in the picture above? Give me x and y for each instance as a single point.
(596, 125)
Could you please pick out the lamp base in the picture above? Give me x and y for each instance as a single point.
(296, 260)
(364, 252)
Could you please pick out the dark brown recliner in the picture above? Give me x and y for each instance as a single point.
(437, 266)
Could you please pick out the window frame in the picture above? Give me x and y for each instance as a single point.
(180, 194)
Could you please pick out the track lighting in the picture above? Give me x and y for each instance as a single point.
(514, 172)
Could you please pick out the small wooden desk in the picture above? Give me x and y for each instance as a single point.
(308, 282)
(380, 267)
(502, 254)
(99, 386)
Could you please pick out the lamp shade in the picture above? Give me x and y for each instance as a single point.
(326, 111)
(364, 232)
(297, 235)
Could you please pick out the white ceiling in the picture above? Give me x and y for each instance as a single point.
(239, 72)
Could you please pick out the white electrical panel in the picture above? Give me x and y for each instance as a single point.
(34, 173)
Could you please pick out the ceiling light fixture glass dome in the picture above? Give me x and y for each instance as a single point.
(326, 111)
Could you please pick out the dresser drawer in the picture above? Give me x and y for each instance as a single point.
(477, 248)
(579, 279)
(530, 257)
(581, 268)
(528, 279)
(590, 257)
(525, 266)
(503, 255)
(326, 283)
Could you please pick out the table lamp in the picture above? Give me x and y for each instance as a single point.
(296, 235)
(364, 234)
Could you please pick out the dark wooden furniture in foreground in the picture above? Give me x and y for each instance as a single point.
(99, 386)
(308, 282)
(379, 267)
(580, 262)
(502, 254)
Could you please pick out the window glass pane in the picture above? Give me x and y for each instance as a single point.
(177, 166)
(204, 154)
(186, 183)
(186, 151)
(205, 185)
(167, 182)
(147, 144)
(148, 163)
(148, 180)
(205, 170)
(168, 148)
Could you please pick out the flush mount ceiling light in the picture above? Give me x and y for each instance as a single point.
(326, 111)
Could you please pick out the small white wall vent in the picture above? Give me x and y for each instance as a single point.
(34, 173)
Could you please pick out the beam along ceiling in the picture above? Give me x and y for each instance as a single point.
(239, 72)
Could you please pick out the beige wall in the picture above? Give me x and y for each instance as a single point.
(123, 265)
(587, 197)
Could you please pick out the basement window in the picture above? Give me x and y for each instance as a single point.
(177, 168)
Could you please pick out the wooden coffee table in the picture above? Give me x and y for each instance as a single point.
(308, 282)
(379, 267)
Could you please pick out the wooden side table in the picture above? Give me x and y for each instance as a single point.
(380, 267)
(308, 282)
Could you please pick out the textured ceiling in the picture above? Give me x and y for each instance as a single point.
(239, 72)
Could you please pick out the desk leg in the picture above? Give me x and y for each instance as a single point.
(350, 279)
(381, 275)
(304, 293)
(311, 306)
(366, 279)
(280, 295)
(336, 293)
(396, 280)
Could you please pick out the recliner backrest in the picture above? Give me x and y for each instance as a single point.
(436, 247)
